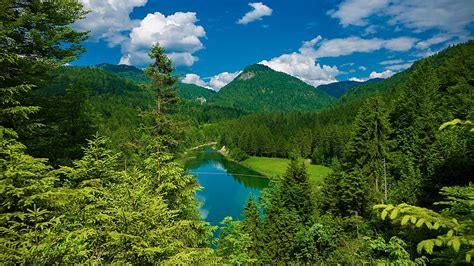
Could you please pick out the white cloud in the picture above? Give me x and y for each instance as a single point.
(215, 83)
(177, 33)
(355, 12)
(420, 15)
(195, 79)
(391, 62)
(400, 44)
(303, 67)
(259, 10)
(357, 79)
(220, 80)
(437, 39)
(109, 20)
(385, 74)
(346, 46)
(398, 67)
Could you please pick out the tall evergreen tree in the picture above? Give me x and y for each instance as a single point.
(35, 37)
(370, 147)
(288, 210)
(252, 225)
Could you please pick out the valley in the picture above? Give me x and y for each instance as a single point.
(355, 150)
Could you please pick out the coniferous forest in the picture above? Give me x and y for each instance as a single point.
(91, 158)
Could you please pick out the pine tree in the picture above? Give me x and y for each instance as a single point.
(288, 210)
(26, 186)
(35, 37)
(252, 225)
(370, 146)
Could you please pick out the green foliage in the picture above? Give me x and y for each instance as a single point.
(26, 187)
(337, 89)
(234, 244)
(191, 92)
(455, 224)
(237, 154)
(35, 36)
(370, 147)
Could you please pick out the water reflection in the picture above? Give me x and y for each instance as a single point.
(226, 185)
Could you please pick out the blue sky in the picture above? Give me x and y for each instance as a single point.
(317, 41)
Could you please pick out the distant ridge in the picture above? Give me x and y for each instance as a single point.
(337, 89)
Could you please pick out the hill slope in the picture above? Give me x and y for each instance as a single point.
(188, 92)
(337, 89)
(260, 89)
(192, 92)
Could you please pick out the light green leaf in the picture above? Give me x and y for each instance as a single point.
(405, 220)
(394, 214)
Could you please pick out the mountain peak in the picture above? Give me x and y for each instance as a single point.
(257, 68)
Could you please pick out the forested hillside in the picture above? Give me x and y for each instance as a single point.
(260, 89)
(337, 89)
(402, 147)
(91, 173)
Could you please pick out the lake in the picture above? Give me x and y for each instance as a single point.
(226, 185)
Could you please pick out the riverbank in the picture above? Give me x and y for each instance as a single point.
(271, 167)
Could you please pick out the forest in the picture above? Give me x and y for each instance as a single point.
(90, 172)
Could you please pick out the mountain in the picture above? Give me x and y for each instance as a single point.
(98, 81)
(193, 92)
(453, 65)
(337, 89)
(260, 89)
(125, 71)
(188, 92)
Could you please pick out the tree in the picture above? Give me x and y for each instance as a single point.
(26, 186)
(370, 146)
(455, 223)
(234, 243)
(252, 225)
(415, 120)
(35, 37)
(160, 73)
(288, 209)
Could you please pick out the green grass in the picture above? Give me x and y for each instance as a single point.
(277, 167)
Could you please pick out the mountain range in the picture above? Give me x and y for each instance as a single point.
(257, 89)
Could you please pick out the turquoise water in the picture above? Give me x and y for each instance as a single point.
(226, 185)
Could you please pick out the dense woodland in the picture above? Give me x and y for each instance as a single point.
(89, 174)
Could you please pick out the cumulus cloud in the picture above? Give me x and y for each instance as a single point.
(220, 80)
(385, 74)
(108, 20)
(304, 68)
(303, 64)
(215, 83)
(319, 48)
(177, 33)
(259, 10)
(195, 79)
(419, 15)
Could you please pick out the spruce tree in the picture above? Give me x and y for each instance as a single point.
(35, 37)
(26, 189)
(370, 146)
(252, 225)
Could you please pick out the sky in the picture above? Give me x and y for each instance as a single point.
(317, 41)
